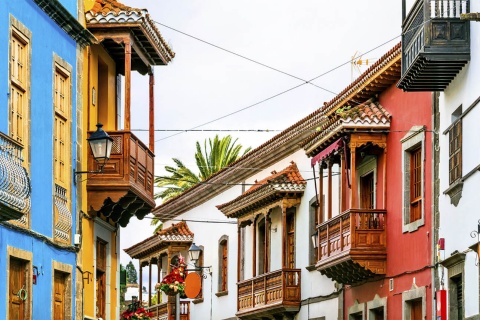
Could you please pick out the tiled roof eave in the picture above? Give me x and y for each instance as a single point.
(344, 128)
(133, 19)
(260, 197)
(387, 60)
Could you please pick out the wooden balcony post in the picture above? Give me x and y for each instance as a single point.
(239, 252)
(128, 66)
(328, 240)
(353, 197)
(320, 209)
(159, 268)
(321, 203)
(330, 162)
(149, 283)
(140, 286)
(151, 123)
(284, 235)
(267, 241)
(254, 249)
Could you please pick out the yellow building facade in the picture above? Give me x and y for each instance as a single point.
(127, 41)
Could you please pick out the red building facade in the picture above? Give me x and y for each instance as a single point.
(374, 227)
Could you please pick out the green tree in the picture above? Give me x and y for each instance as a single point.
(215, 155)
(131, 273)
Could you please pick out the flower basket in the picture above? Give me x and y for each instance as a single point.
(171, 292)
(174, 283)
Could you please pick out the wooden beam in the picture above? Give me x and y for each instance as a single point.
(128, 63)
(151, 104)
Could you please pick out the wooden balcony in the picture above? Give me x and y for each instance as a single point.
(435, 44)
(166, 311)
(353, 246)
(274, 293)
(125, 188)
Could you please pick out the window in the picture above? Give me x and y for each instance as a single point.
(19, 88)
(200, 263)
(356, 312)
(377, 308)
(223, 264)
(19, 95)
(415, 184)
(455, 265)
(61, 150)
(455, 147)
(101, 279)
(414, 303)
(455, 288)
(413, 164)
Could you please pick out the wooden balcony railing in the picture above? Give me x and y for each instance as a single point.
(278, 291)
(15, 185)
(435, 44)
(127, 178)
(161, 311)
(356, 237)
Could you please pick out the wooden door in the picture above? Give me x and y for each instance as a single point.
(367, 190)
(416, 310)
(17, 286)
(59, 279)
(101, 295)
(291, 241)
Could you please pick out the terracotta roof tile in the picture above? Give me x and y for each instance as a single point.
(287, 180)
(114, 12)
(106, 6)
(179, 231)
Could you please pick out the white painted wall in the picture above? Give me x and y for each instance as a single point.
(456, 223)
(208, 234)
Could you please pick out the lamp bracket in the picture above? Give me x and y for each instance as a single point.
(75, 173)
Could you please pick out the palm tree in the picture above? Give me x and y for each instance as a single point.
(216, 155)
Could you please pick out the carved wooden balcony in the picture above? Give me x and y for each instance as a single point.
(435, 44)
(274, 293)
(15, 186)
(125, 188)
(352, 246)
(166, 311)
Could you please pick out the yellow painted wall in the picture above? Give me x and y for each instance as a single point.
(99, 105)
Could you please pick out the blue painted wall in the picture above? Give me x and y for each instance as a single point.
(47, 39)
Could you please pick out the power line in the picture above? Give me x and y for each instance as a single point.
(210, 130)
(278, 94)
(243, 57)
(275, 69)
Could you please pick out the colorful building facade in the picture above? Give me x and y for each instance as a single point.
(441, 57)
(127, 41)
(38, 204)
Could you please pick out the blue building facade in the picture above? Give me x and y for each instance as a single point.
(41, 41)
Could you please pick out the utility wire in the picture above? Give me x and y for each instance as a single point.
(243, 57)
(276, 95)
(275, 69)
